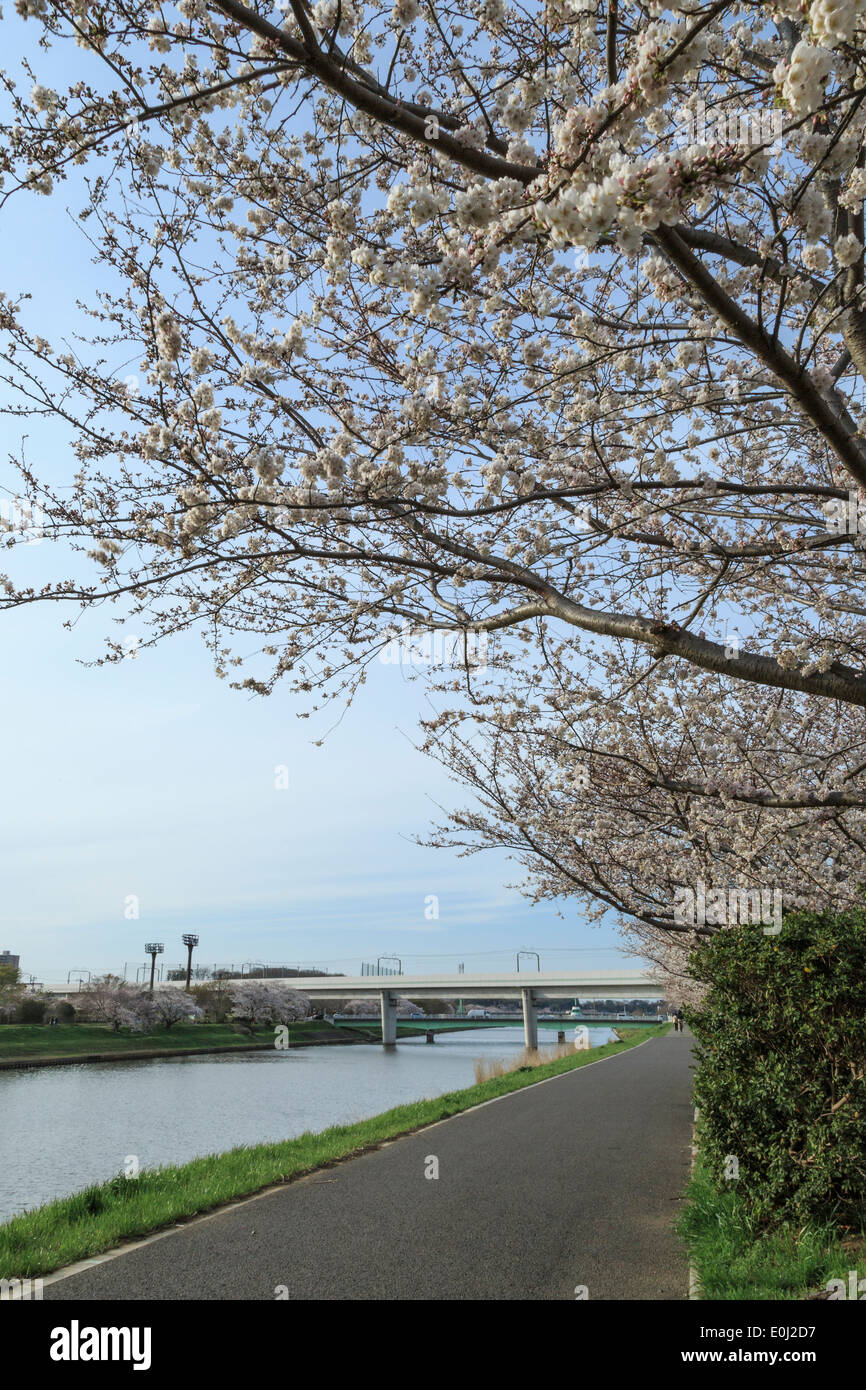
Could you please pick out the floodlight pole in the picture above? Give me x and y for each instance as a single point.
(190, 942)
(153, 949)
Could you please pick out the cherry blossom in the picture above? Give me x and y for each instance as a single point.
(444, 318)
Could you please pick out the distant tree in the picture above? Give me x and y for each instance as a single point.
(332, 1005)
(406, 1007)
(137, 1014)
(108, 1000)
(62, 1009)
(290, 1005)
(11, 990)
(213, 1000)
(254, 1002)
(171, 1006)
(31, 1008)
(359, 1006)
(435, 1006)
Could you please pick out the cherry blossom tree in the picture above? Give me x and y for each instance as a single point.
(170, 1006)
(252, 1003)
(617, 799)
(109, 1000)
(291, 1005)
(407, 1008)
(365, 1007)
(539, 320)
(255, 1002)
(669, 965)
(139, 1014)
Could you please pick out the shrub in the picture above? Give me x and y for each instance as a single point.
(32, 1009)
(781, 1084)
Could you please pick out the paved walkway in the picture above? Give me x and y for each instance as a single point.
(572, 1182)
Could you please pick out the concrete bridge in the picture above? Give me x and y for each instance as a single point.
(529, 987)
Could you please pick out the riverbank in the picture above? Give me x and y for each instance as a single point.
(102, 1217)
(416, 1027)
(36, 1045)
(735, 1261)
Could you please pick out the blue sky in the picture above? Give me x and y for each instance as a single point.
(153, 780)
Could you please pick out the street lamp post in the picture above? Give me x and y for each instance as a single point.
(189, 942)
(529, 953)
(153, 949)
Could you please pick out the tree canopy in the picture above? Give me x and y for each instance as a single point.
(539, 320)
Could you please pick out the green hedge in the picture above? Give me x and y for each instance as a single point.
(781, 1083)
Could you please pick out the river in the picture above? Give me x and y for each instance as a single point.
(62, 1128)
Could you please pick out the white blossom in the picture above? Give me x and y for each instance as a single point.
(168, 337)
(847, 249)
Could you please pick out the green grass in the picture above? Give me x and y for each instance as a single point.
(95, 1220)
(736, 1261)
(36, 1041)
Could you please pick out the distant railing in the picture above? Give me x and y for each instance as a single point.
(203, 974)
(506, 1016)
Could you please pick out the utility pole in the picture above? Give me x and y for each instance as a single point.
(153, 949)
(190, 942)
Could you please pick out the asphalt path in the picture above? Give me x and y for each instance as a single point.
(566, 1189)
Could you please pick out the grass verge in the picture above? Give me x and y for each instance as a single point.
(488, 1067)
(736, 1261)
(100, 1217)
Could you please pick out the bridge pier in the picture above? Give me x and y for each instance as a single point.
(530, 1019)
(388, 1002)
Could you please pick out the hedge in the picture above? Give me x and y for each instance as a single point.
(781, 1083)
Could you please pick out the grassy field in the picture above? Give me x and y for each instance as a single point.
(100, 1217)
(734, 1261)
(23, 1041)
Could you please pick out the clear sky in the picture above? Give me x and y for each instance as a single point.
(153, 781)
